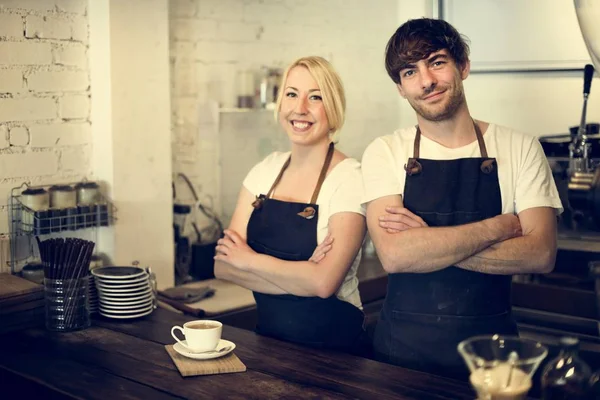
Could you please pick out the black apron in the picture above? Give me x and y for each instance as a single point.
(426, 315)
(288, 231)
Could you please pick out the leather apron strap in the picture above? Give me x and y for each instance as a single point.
(308, 212)
(413, 166)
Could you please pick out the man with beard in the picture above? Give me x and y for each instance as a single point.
(455, 207)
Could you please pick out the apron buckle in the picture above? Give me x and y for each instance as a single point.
(487, 166)
(413, 167)
(308, 213)
(258, 203)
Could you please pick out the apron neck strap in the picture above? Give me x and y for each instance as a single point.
(478, 133)
(322, 175)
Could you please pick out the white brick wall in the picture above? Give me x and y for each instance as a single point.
(74, 106)
(212, 40)
(11, 80)
(11, 25)
(44, 93)
(60, 135)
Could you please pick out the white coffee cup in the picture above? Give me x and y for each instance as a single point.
(200, 335)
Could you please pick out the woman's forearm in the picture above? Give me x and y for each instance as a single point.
(301, 278)
(246, 279)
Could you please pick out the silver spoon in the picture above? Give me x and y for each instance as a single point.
(221, 350)
(512, 359)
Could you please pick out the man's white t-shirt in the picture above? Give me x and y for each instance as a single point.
(525, 177)
(342, 191)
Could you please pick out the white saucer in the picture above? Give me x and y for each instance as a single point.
(135, 310)
(116, 316)
(143, 288)
(204, 356)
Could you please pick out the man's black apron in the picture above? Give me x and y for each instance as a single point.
(288, 231)
(426, 315)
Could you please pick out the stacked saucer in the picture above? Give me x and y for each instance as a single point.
(96, 262)
(92, 296)
(124, 292)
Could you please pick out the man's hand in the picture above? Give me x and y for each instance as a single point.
(398, 219)
(234, 250)
(322, 249)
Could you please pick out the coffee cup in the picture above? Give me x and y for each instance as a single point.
(200, 335)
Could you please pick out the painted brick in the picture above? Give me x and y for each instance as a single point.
(11, 81)
(210, 52)
(74, 106)
(11, 25)
(29, 164)
(72, 6)
(239, 31)
(256, 11)
(184, 82)
(224, 10)
(182, 8)
(19, 136)
(36, 5)
(55, 81)
(4, 143)
(47, 27)
(58, 135)
(72, 54)
(26, 53)
(27, 109)
(183, 51)
(80, 29)
(75, 159)
(193, 29)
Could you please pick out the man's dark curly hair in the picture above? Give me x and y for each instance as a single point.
(416, 39)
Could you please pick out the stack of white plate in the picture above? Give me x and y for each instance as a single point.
(92, 296)
(124, 292)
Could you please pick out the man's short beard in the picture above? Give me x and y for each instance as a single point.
(455, 102)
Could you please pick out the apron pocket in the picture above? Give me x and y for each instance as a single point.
(429, 342)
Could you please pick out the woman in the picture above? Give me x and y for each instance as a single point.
(291, 201)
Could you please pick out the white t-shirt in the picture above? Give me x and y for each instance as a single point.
(525, 177)
(342, 191)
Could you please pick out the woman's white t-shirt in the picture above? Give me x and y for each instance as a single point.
(342, 191)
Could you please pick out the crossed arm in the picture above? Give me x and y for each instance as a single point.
(505, 244)
(320, 276)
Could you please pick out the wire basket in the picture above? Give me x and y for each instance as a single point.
(25, 223)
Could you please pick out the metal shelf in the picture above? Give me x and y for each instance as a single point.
(25, 224)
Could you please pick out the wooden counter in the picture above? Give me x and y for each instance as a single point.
(127, 360)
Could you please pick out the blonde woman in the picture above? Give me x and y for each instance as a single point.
(289, 203)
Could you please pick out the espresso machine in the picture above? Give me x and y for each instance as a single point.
(567, 300)
(584, 171)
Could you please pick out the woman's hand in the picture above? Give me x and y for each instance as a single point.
(234, 250)
(400, 219)
(322, 249)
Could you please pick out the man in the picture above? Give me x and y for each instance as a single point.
(441, 201)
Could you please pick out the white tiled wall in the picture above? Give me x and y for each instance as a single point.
(44, 94)
(212, 40)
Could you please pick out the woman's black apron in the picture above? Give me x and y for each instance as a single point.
(288, 231)
(426, 315)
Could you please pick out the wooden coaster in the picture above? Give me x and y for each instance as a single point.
(190, 367)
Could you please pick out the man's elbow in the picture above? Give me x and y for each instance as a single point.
(546, 261)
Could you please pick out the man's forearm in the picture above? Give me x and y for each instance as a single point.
(246, 279)
(520, 255)
(428, 249)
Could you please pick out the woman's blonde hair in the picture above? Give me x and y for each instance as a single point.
(330, 85)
